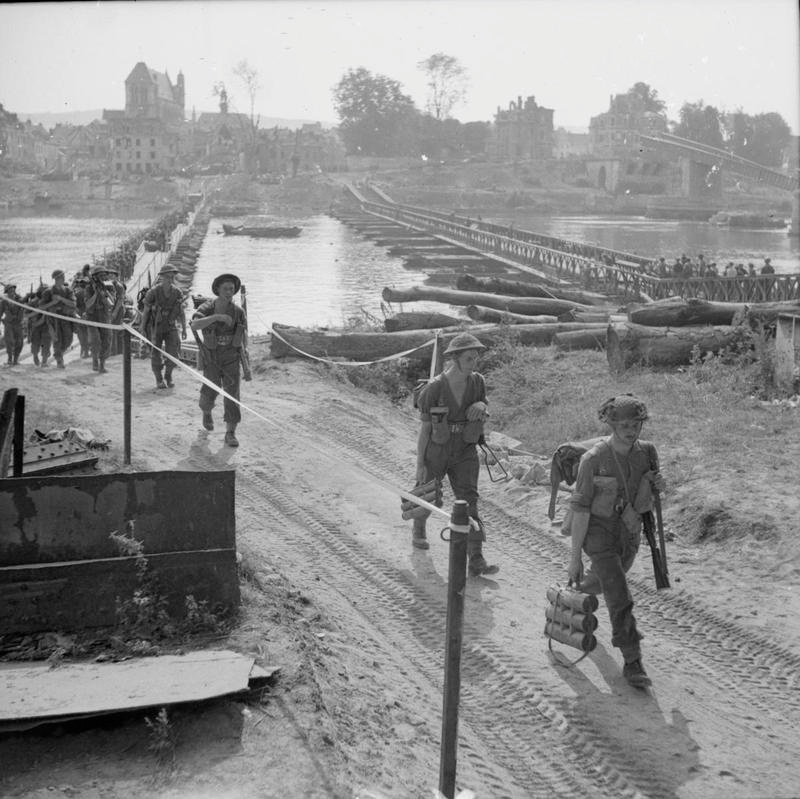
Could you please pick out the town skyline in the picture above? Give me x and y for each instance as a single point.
(738, 54)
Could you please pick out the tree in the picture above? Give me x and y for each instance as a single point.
(701, 123)
(376, 117)
(761, 138)
(447, 83)
(249, 76)
(648, 96)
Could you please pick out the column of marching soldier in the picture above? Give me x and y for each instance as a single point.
(95, 293)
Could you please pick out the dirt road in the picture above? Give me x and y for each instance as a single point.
(720, 721)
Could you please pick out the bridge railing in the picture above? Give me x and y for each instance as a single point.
(614, 280)
(592, 275)
(761, 288)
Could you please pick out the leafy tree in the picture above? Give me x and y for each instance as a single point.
(701, 123)
(447, 83)
(648, 96)
(761, 138)
(376, 117)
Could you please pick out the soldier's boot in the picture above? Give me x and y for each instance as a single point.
(419, 539)
(477, 563)
(159, 380)
(168, 377)
(102, 366)
(95, 364)
(35, 359)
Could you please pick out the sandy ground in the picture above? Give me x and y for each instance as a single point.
(356, 618)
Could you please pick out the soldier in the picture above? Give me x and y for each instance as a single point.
(81, 331)
(38, 329)
(101, 299)
(163, 312)
(223, 349)
(11, 315)
(453, 408)
(60, 300)
(612, 490)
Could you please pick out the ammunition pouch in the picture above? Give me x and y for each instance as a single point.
(440, 429)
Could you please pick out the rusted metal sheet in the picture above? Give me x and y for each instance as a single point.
(38, 694)
(82, 594)
(62, 518)
(55, 456)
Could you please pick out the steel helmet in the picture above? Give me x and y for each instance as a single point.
(168, 269)
(622, 408)
(462, 342)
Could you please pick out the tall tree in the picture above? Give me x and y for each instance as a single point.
(761, 137)
(700, 122)
(447, 83)
(649, 96)
(377, 118)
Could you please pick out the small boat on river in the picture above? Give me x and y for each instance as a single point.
(739, 219)
(262, 232)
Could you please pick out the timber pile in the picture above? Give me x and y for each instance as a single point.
(480, 314)
(530, 306)
(630, 344)
(293, 341)
(422, 320)
(680, 312)
(517, 288)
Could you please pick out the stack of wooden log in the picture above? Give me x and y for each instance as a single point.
(663, 333)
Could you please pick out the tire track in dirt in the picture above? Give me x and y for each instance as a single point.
(528, 743)
(738, 662)
(757, 660)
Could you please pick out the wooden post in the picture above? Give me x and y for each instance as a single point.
(126, 392)
(19, 435)
(7, 408)
(457, 579)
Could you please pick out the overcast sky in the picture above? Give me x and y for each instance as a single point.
(570, 54)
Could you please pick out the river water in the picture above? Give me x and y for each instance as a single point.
(330, 274)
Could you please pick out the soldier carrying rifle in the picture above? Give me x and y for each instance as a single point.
(613, 489)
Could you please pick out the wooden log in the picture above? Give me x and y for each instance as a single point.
(680, 312)
(480, 314)
(293, 341)
(628, 344)
(530, 306)
(420, 320)
(518, 288)
(597, 315)
(581, 340)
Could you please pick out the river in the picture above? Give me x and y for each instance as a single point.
(330, 275)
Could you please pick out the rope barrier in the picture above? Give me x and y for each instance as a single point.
(394, 357)
(282, 426)
(74, 319)
(203, 379)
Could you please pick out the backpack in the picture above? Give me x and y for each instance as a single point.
(564, 467)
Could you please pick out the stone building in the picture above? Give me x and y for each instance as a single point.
(523, 132)
(281, 151)
(615, 133)
(25, 146)
(145, 137)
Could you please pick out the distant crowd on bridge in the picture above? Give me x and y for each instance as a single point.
(684, 268)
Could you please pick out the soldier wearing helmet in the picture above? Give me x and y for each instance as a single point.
(12, 315)
(162, 314)
(59, 299)
(613, 488)
(453, 409)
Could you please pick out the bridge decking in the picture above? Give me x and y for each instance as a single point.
(592, 268)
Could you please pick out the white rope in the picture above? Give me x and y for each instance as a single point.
(394, 357)
(76, 320)
(282, 426)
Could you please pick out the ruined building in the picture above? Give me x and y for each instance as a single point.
(523, 132)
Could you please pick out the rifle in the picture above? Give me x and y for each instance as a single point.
(659, 553)
(659, 561)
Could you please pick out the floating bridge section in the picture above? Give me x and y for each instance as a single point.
(592, 268)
